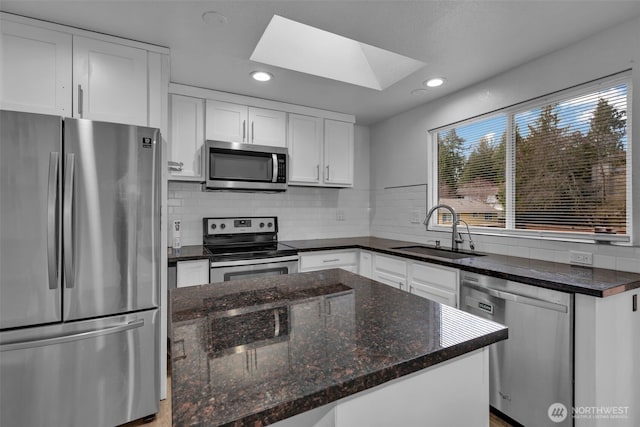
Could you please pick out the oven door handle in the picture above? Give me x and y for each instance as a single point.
(239, 262)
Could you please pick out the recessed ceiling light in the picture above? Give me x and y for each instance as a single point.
(434, 82)
(214, 18)
(261, 76)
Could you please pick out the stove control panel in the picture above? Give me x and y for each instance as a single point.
(243, 225)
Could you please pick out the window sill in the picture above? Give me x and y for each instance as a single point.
(596, 238)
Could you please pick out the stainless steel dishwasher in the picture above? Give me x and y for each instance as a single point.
(533, 368)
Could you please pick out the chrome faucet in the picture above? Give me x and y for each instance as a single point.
(454, 224)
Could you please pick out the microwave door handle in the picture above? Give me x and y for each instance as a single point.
(274, 160)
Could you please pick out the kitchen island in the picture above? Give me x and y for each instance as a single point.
(325, 348)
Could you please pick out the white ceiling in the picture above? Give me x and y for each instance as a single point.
(464, 41)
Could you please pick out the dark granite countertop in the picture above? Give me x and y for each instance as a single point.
(596, 282)
(337, 333)
(187, 253)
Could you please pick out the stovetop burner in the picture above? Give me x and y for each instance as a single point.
(243, 238)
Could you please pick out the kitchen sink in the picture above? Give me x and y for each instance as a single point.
(437, 252)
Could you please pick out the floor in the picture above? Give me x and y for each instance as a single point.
(163, 419)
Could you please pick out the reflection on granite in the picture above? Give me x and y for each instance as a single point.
(597, 282)
(270, 348)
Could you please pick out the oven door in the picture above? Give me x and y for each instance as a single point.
(223, 271)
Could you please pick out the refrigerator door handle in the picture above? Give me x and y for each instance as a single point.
(67, 210)
(52, 220)
(21, 345)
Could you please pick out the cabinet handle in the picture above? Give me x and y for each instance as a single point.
(252, 135)
(331, 260)
(244, 130)
(318, 172)
(80, 100)
(175, 166)
(327, 173)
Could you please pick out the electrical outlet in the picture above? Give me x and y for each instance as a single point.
(584, 258)
(416, 217)
(339, 215)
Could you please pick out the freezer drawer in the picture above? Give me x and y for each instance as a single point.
(100, 372)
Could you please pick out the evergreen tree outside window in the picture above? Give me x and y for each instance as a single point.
(556, 166)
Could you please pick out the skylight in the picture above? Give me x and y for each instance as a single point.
(299, 47)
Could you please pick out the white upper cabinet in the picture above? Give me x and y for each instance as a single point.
(305, 149)
(321, 151)
(53, 69)
(268, 127)
(226, 121)
(231, 122)
(109, 81)
(186, 138)
(35, 72)
(338, 153)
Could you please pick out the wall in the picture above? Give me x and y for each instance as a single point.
(303, 212)
(399, 144)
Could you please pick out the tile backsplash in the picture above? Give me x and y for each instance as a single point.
(393, 212)
(303, 212)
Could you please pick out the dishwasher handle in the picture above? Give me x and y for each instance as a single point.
(509, 296)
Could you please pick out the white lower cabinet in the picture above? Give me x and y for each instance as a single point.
(323, 260)
(434, 282)
(607, 350)
(424, 279)
(190, 273)
(365, 266)
(390, 270)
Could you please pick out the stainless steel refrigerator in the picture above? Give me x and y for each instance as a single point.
(79, 271)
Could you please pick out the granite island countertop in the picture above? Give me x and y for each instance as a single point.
(255, 351)
(597, 282)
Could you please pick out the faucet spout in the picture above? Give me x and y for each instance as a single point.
(454, 225)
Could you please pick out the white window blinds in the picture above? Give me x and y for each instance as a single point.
(560, 165)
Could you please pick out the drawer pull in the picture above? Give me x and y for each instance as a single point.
(331, 260)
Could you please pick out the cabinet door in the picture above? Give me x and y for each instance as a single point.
(338, 153)
(434, 282)
(35, 73)
(190, 273)
(324, 260)
(109, 82)
(187, 137)
(305, 149)
(268, 127)
(390, 279)
(226, 121)
(443, 296)
(366, 264)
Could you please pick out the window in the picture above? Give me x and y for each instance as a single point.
(550, 167)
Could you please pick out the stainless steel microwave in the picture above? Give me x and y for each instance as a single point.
(245, 167)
